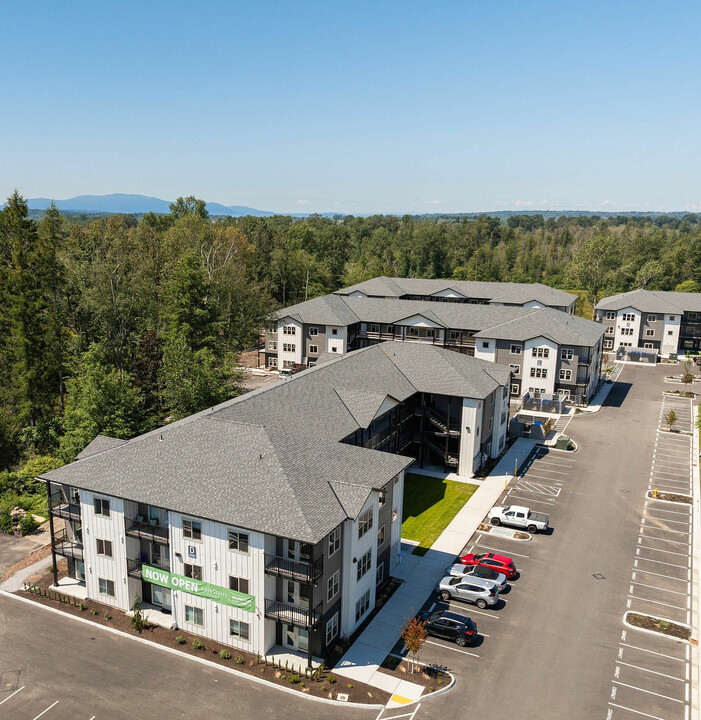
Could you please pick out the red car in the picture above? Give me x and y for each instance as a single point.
(500, 563)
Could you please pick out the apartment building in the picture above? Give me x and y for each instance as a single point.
(273, 519)
(651, 320)
(533, 295)
(337, 324)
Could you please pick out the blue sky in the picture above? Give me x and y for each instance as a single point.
(357, 106)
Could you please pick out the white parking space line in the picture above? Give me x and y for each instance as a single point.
(454, 649)
(683, 543)
(667, 552)
(545, 469)
(655, 587)
(657, 602)
(653, 652)
(637, 712)
(649, 692)
(13, 694)
(666, 530)
(654, 672)
(45, 711)
(659, 562)
(537, 488)
(530, 475)
(649, 572)
(667, 520)
(462, 608)
(501, 552)
(657, 508)
(533, 500)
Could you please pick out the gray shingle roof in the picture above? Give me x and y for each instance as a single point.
(100, 444)
(653, 301)
(557, 326)
(326, 310)
(491, 291)
(272, 460)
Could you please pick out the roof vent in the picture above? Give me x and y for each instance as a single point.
(261, 456)
(161, 438)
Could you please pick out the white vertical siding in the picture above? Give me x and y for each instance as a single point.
(97, 566)
(282, 339)
(469, 438)
(336, 343)
(670, 343)
(396, 531)
(485, 349)
(550, 364)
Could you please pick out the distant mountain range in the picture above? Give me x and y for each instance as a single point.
(120, 203)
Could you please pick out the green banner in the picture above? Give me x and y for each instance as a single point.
(197, 587)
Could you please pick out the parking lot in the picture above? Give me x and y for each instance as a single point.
(556, 645)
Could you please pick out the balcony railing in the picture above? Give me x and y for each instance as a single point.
(62, 508)
(68, 548)
(147, 530)
(134, 567)
(299, 570)
(292, 614)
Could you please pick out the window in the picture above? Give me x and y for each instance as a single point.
(653, 318)
(380, 573)
(104, 547)
(539, 372)
(514, 389)
(332, 628)
(238, 541)
(395, 515)
(272, 329)
(289, 347)
(536, 391)
(429, 332)
(238, 584)
(272, 362)
(648, 346)
(193, 571)
(334, 331)
(610, 315)
(374, 329)
(364, 564)
(610, 330)
(412, 331)
(485, 344)
(289, 330)
(649, 332)
(192, 529)
(313, 349)
(608, 344)
(194, 615)
(565, 374)
(334, 349)
(390, 329)
(239, 629)
(102, 507)
(566, 353)
(672, 318)
(454, 334)
(628, 317)
(626, 331)
(106, 587)
(541, 352)
(334, 541)
(364, 523)
(515, 369)
(382, 497)
(669, 332)
(362, 606)
(272, 345)
(333, 586)
(381, 536)
(691, 316)
(515, 349)
(313, 332)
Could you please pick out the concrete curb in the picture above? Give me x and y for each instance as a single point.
(653, 632)
(648, 496)
(202, 661)
(435, 693)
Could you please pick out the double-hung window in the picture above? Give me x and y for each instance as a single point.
(565, 374)
(332, 628)
(239, 629)
(333, 585)
(104, 547)
(364, 564)
(238, 584)
(192, 529)
(365, 522)
(515, 369)
(566, 353)
(102, 507)
(362, 606)
(334, 541)
(106, 587)
(238, 541)
(194, 615)
(193, 571)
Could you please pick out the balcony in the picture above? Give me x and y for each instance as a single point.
(68, 548)
(143, 529)
(64, 509)
(299, 570)
(292, 614)
(134, 566)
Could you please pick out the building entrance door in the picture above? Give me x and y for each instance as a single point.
(297, 638)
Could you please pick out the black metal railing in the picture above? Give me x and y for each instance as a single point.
(441, 422)
(448, 458)
(134, 567)
(292, 614)
(301, 570)
(147, 530)
(60, 507)
(66, 547)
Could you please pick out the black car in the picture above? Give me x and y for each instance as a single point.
(450, 626)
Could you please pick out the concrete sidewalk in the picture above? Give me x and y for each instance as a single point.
(364, 657)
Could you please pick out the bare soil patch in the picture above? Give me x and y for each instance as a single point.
(670, 497)
(664, 627)
(430, 677)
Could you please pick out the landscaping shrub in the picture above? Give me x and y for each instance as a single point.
(240, 660)
(332, 679)
(94, 612)
(108, 616)
(27, 524)
(180, 640)
(197, 644)
(82, 605)
(225, 655)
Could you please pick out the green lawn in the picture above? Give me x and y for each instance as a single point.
(429, 506)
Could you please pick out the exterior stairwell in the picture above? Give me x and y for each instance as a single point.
(448, 459)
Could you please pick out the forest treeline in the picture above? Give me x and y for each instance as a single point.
(115, 325)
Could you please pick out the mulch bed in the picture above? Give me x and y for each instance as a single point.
(670, 497)
(664, 627)
(431, 678)
(327, 686)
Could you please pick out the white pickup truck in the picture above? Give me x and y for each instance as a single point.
(518, 516)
